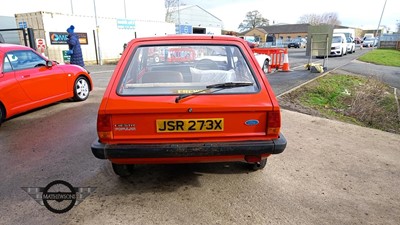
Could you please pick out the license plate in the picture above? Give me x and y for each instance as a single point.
(190, 125)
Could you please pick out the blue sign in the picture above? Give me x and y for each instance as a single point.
(184, 29)
(126, 24)
(60, 38)
(22, 25)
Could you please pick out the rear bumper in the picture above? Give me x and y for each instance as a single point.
(105, 151)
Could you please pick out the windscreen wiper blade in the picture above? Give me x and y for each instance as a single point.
(229, 85)
(219, 86)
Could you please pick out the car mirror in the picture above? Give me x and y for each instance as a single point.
(49, 63)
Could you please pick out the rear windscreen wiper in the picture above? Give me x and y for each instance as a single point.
(219, 86)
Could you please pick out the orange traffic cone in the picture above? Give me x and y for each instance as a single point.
(286, 67)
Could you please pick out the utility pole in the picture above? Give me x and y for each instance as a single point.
(72, 8)
(125, 8)
(97, 32)
(379, 24)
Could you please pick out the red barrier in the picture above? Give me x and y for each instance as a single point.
(277, 56)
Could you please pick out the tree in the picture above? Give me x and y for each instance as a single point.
(317, 19)
(253, 19)
(398, 26)
(170, 6)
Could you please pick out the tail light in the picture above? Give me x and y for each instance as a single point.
(273, 123)
(104, 128)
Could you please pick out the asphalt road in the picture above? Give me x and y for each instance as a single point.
(330, 172)
(284, 82)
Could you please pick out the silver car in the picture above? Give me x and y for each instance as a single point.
(370, 42)
(351, 45)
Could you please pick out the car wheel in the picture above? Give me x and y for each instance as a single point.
(266, 66)
(122, 170)
(258, 165)
(2, 113)
(81, 89)
(206, 64)
(156, 59)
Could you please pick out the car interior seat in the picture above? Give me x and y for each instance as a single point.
(162, 77)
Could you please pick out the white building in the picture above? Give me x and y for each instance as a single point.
(99, 44)
(102, 38)
(194, 19)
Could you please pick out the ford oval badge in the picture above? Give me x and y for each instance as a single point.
(252, 122)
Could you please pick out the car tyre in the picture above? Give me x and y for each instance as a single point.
(2, 113)
(206, 64)
(258, 165)
(122, 170)
(81, 89)
(156, 59)
(266, 66)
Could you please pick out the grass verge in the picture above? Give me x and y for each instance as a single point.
(355, 99)
(387, 57)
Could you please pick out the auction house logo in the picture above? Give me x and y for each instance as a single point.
(59, 196)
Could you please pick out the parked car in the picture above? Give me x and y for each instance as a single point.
(370, 42)
(298, 43)
(358, 40)
(351, 45)
(188, 111)
(339, 45)
(263, 60)
(29, 81)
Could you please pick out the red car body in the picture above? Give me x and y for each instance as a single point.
(188, 111)
(28, 81)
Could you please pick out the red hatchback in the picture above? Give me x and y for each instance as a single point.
(215, 106)
(29, 81)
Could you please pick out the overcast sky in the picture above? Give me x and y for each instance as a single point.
(362, 14)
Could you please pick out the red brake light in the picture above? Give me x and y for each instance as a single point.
(104, 128)
(273, 123)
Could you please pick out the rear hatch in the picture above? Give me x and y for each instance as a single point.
(199, 118)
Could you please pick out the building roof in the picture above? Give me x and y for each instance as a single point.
(185, 7)
(288, 28)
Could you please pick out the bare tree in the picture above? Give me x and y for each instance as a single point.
(170, 6)
(253, 19)
(317, 19)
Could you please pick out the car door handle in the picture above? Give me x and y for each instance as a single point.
(26, 76)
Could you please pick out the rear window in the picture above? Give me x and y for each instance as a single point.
(185, 69)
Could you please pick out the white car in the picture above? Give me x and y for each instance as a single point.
(264, 61)
(351, 45)
(339, 45)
